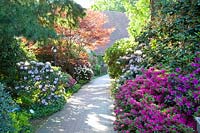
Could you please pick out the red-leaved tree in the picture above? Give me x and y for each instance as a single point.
(71, 47)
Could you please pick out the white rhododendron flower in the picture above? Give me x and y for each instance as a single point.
(32, 111)
(138, 52)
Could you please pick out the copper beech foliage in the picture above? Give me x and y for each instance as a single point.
(90, 34)
(91, 31)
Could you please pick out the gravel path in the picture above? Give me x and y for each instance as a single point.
(88, 111)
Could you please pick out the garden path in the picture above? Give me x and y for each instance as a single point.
(88, 111)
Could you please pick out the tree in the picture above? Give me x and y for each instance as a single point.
(91, 31)
(72, 46)
(111, 5)
(139, 16)
(138, 12)
(33, 20)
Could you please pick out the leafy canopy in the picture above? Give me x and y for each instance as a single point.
(112, 5)
(34, 20)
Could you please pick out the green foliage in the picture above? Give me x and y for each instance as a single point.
(97, 63)
(11, 121)
(173, 36)
(21, 122)
(6, 106)
(111, 5)
(39, 83)
(42, 111)
(83, 72)
(112, 55)
(97, 69)
(139, 16)
(114, 88)
(82, 82)
(10, 55)
(33, 20)
(76, 87)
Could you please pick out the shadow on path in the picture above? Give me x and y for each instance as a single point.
(88, 111)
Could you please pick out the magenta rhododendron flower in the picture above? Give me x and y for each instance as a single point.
(157, 101)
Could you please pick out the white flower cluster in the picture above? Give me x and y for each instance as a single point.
(83, 72)
(40, 77)
(132, 69)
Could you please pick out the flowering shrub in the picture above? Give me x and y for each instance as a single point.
(118, 49)
(71, 82)
(40, 83)
(83, 72)
(132, 68)
(159, 102)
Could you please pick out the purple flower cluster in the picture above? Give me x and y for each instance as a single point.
(71, 82)
(157, 101)
(40, 83)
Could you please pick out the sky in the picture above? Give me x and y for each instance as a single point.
(85, 3)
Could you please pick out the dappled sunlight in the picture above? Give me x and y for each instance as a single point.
(109, 117)
(94, 121)
(88, 111)
(95, 86)
(92, 106)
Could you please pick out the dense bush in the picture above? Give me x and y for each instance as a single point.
(139, 16)
(11, 120)
(112, 55)
(42, 111)
(132, 69)
(172, 37)
(9, 59)
(40, 83)
(159, 102)
(97, 63)
(76, 87)
(33, 20)
(83, 72)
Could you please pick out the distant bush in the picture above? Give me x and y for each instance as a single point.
(112, 55)
(83, 72)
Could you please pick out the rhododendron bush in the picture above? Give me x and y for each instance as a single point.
(83, 72)
(41, 83)
(157, 101)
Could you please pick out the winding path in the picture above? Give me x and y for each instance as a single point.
(88, 111)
